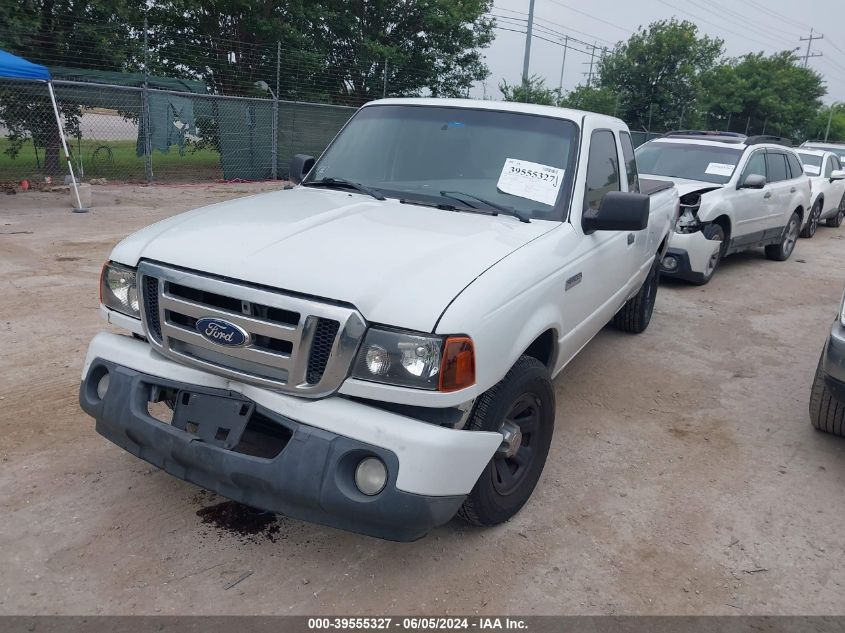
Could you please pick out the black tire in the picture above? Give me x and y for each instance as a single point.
(781, 251)
(813, 222)
(495, 498)
(826, 413)
(712, 231)
(635, 315)
(836, 220)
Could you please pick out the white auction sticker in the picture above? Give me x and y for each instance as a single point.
(812, 169)
(719, 169)
(533, 181)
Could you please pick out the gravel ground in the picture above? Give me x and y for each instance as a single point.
(684, 477)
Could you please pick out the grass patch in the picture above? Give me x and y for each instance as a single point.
(114, 160)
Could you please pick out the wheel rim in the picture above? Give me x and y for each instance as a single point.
(791, 237)
(814, 218)
(513, 460)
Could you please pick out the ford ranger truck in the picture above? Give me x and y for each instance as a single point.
(373, 349)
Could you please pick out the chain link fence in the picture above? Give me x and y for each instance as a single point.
(139, 134)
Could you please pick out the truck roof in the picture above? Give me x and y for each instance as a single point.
(504, 106)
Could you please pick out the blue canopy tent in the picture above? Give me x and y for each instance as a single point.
(14, 67)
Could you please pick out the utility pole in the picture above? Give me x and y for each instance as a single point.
(591, 62)
(829, 119)
(809, 41)
(527, 59)
(563, 63)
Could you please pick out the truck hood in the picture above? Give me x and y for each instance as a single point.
(399, 264)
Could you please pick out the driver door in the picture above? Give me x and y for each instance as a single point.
(752, 207)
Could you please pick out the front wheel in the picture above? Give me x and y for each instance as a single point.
(826, 414)
(522, 408)
(635, 315)
(836, 220)
(813, 221)
(781, 252)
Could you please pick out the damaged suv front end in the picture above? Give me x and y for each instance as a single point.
(694, 253)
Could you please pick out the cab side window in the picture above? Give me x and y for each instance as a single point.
(602, 169)
(630, 162)
(756, 165)
(776, 166)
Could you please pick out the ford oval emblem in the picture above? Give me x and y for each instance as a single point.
(222, 332)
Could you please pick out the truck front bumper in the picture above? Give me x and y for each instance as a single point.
(311, 477)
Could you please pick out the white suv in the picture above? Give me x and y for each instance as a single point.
(737, 193)
(828, 182)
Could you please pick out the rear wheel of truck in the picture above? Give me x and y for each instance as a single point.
(813, 222)
(826, 413)
(521, 407)
(780, 252)
(635, 315)
(715, 232)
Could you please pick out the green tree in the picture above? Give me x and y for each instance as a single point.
(763, 94)
(418, 46)
(601, 100)
(656, 72)
(532, 91)
(834, 115)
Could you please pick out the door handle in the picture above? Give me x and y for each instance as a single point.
(631, 238)
(768, 194)
(792, 190)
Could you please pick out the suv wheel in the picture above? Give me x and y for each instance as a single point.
(826, 413)
(836, 220)
(522, 408)
(813, 222)
(781, 252)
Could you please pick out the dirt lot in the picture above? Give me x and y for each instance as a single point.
(684, 475)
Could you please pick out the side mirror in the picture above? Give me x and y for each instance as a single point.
(300, 165)
(618, 211)
(754, 181)
(837, 174)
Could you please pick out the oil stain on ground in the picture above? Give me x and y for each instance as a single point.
(236, 519)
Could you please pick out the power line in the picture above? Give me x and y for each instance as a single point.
(538, 18)
(765, 9)
(718, 26)
(592, 17)
(762, 29)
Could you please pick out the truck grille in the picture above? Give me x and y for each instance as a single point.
(291, 344)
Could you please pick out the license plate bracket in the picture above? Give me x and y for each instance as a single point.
(217, 420)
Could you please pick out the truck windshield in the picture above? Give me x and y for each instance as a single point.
(457, 157)
(708, 163)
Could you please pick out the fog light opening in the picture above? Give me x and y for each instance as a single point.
(670, 263)
(103, 386)
(371, 476)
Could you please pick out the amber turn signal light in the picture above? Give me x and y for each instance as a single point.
(457, 369)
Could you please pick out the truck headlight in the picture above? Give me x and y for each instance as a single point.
(119, 289)
(410, 359)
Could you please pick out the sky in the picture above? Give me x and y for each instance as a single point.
(747, 26)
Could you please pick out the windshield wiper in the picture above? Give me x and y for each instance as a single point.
(460, 196)
(342, 182)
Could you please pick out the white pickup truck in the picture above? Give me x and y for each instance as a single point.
(374, 348)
